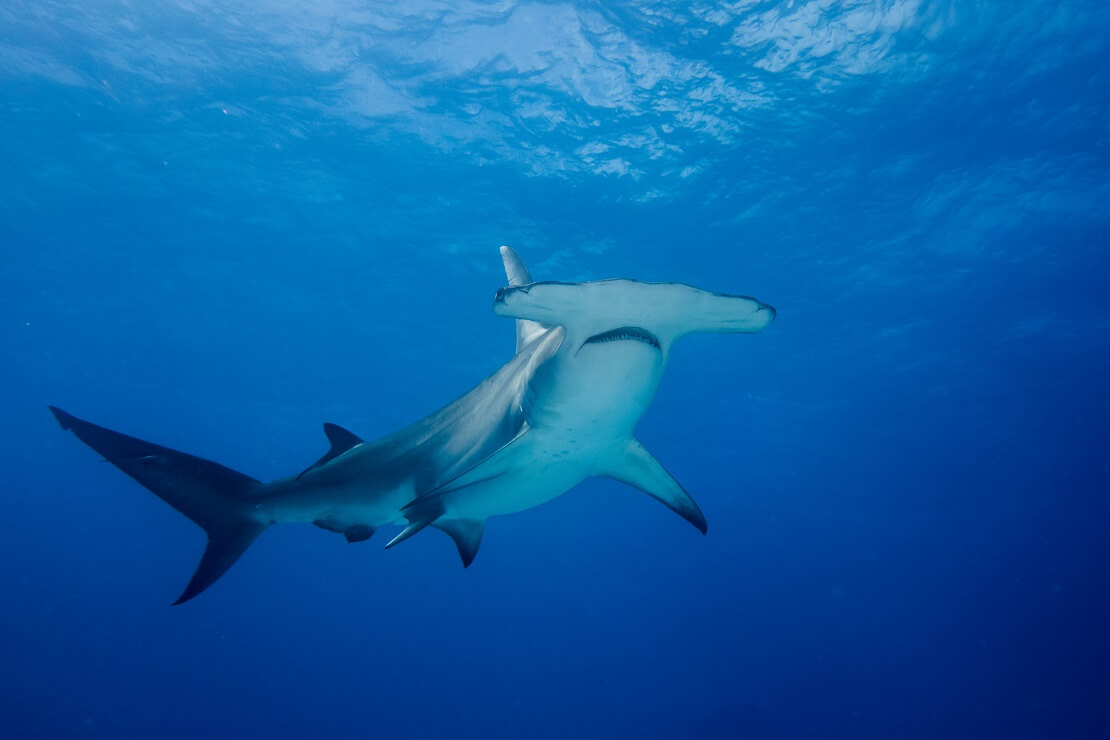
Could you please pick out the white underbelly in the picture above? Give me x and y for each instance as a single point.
(355, 504)
(546, 465)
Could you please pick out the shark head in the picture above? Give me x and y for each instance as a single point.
(618, 336)
(654, 314)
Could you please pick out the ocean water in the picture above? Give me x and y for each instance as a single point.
(223, 223)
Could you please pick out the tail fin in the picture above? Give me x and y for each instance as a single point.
(215, 497)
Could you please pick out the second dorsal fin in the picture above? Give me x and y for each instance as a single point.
(341, 441)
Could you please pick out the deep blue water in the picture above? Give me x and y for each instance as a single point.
(225, 223)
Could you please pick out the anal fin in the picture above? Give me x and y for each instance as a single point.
(639, 469)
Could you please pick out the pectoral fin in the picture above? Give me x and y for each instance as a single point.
(639, 469)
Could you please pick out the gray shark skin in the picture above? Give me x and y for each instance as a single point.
(589, 359)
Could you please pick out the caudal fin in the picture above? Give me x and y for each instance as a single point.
(213, 496)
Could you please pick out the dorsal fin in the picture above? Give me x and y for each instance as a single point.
(341, 441)
(517, 273)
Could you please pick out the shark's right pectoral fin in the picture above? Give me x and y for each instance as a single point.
(636, 467)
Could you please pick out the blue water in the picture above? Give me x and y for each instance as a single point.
(223, 223)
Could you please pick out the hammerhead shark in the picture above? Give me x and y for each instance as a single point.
(589, 358)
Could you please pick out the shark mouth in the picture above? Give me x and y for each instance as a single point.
(633, 333)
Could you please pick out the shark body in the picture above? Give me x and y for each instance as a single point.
(589, 359)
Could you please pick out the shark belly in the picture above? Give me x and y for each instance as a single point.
(594, 393)
(539, 467)
(581, 409)
(334, 504)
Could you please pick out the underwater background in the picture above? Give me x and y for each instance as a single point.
(223, 223)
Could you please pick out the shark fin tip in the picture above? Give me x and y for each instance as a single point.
(467, 534)
(62, 417)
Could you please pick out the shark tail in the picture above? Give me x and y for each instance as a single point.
(215, 497)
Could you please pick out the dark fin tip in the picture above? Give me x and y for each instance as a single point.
(340, 437)
(62, 417)
(188, 594)
(697, 519)
(467, 534)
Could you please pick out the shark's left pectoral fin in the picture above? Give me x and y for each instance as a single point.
(639, 469)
